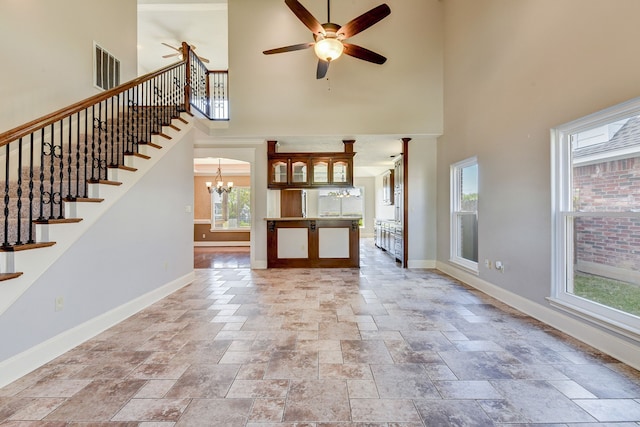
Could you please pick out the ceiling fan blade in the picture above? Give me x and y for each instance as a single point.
(174, 48)
(288, 48)
(323, 67)
(362, 53)
(305, 16)
(205, 60)
(171, 56)
(364, 21)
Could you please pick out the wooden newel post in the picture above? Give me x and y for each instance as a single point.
(187, 76)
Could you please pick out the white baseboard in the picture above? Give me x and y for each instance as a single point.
(623, 350)
(220, 244)
(258, 265)
(21, 364)
(421, 263)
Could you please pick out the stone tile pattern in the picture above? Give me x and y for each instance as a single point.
(375, 346)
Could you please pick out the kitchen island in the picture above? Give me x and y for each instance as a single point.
(325, 242)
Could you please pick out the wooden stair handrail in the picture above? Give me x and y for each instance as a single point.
(39, 123)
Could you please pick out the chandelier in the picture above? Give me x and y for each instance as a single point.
(219, 188)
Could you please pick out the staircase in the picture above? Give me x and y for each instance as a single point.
(58, 165)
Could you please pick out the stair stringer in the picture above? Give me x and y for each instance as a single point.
(34, 263)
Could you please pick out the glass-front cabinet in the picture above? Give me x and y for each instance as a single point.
(299, 171)
(320, 171)
(309, 170)
(313, 172)
(340, 171)
(278, 172)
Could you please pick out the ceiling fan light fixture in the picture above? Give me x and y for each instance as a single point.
(328, 49)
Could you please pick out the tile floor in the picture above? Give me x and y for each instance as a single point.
(378, 346)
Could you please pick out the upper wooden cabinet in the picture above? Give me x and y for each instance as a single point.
(309, 170)
(388, 188)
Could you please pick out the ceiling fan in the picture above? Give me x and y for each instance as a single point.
(329, 38)
(179, 52)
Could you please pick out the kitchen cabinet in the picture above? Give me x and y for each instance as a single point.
(388, 187)
(388, 237)
(310, 170)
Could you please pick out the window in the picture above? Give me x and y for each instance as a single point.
(347, 202)
(231, 210)
(106, 70)
(596, 217)
(464, 214)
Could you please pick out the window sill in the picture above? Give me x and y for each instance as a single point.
(468, 267)
(596, 319)
(230, 230)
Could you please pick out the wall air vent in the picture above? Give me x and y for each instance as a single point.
(106, 68)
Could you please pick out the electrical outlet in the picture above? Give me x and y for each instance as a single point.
(59, 303)
(500, 266)
(487, 263)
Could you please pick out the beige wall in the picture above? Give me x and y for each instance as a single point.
(279, 94)
(513, 70)
(47, 52)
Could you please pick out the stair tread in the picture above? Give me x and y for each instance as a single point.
(9, 276)
(123, 167)
(26, 246)
(58, 221)
(105, 182)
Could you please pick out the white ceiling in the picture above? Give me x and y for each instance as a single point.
(203, 23)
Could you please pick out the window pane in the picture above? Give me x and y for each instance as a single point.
(344, 202)
(606, 167)
(232, 210)
(607, 261)
(468, 237)
(469, 188)
(328, 206)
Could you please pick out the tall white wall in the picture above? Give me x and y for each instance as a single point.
(47, 52)
(515, 69)
(421, 179)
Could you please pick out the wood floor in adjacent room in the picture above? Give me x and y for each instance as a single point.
(375, 346)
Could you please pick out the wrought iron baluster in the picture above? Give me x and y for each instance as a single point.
(86, 150)
(31, 185)
(6, 197)
(60, 156)
(19, 195)
(78, 148)
(42, 193)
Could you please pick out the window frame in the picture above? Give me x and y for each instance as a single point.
(456, 213)
(563, 213)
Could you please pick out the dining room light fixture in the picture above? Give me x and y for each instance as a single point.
(219, 188)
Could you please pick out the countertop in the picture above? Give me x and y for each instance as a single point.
(346, 218)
